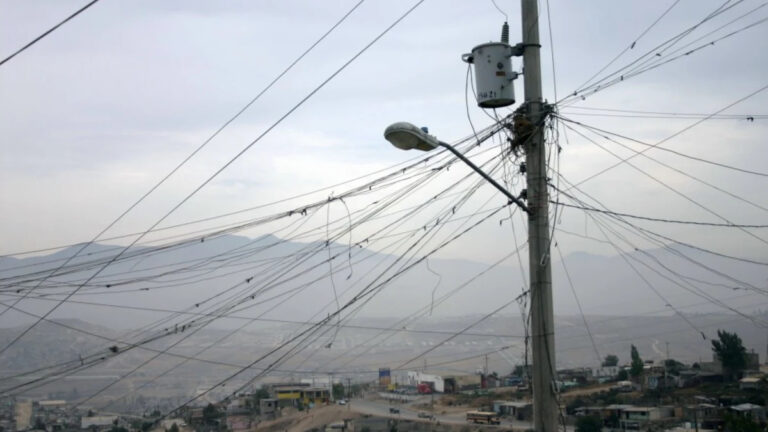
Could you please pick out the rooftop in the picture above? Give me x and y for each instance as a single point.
(746, 407)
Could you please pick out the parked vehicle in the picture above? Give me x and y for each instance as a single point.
(423, 414)
(394, 410)
(424, 388)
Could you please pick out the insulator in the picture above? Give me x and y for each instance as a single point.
(505, 33)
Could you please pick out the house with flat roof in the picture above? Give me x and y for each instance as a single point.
(750, 382)
(300, 395)
(756, 413)
(519, 410)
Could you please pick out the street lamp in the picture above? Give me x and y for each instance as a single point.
(406, 136)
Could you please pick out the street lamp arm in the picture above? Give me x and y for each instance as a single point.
(488, 178)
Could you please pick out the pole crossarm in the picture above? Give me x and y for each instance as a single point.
(488, 178)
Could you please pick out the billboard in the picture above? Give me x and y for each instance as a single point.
(385, 377)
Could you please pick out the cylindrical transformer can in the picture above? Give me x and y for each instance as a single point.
(493, 74)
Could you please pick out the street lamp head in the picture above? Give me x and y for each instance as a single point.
(406, 136)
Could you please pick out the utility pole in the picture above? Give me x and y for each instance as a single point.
(665, 366)
(349, 393)
(545, 404)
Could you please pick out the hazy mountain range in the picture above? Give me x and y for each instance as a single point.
(195, 271)
(281, 284)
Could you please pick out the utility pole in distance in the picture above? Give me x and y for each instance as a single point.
(545, 405)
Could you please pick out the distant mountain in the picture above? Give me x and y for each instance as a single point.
(297, 285)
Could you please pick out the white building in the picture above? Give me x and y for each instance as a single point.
(98, 422)
(436, 381)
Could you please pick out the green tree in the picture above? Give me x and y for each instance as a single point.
(729, 349)
(589, 424)
(673, 366)
(39, 424)
(611, 360)
(636, 367)
(735, 423)
(623, 375)
(338, 391)
(211, 414)
(174, 428)
(260, 394)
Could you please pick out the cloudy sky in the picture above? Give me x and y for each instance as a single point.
(96, 113)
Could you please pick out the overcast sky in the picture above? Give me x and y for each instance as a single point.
(97, 112)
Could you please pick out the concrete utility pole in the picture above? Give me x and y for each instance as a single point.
(545, 405)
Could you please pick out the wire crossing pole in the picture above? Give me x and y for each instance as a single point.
(545, 405)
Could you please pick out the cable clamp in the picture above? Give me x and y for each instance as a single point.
(519, 49)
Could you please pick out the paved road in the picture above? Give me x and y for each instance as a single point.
(381, 408)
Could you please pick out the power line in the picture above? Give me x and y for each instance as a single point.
(341, 234)
(457, 334)
(653, 219)
(677, 192)
(681, 131)
(47, 32)
(646, 233)
(578, 303)
(665, 113)
(643, 233)
(424, 310)
(629, 47)
(749, 118)
(372, 288)
(552, 51)
(233, 159)
(664, 45)
(183, 162)
(658, 147)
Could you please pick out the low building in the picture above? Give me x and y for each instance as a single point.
(751, 382)
(635, 418)
(513, 380)
(98, 422)
(321, 381)
(457, 383)
(301, 395)
(435, 382)
(22, 414)
(239, 423)
(753, 361)
(655, 381)
(519, 410)
(590, 411)
(52, 403)
(580, 376)
(240, 405)
(268, 408)
(166, 424)
(194, 415)
(756, 413)
(624, 386)
(704, 415)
